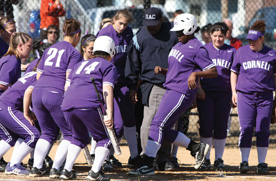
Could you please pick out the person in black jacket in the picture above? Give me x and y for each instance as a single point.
(150, 47)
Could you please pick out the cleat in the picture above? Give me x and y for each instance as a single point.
(135, 162)
(97, 176)
(3, 164)
(174, 161)
(169, 166)
(92, 157)
(262, 169)
(114, 161)
(66, 175)
(54, 173)
(107, 166)
(144, 170)
(201, 154)
(244, 167)
(219, 165)
(35, 172)
(16, 169)
(206, 165)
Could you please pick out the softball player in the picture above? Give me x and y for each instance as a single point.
(181, 89)
(214, 96)
(252, 84)
(83, 113)
(122, 34)
(7, 28)
(54, 67)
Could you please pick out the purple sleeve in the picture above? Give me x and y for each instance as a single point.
(110, 76)
(203, 60)
(74, 59)
(236, 65)
(40, 67)
(8, 73)
(274, 62)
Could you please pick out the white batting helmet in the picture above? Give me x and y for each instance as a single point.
(186, 22)
(105, 44)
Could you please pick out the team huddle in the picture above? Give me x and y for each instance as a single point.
(170, 68)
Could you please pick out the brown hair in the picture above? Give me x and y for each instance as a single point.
(6, 21)
(85, 40)
(17, 38)
(219, 26)
(71, 27)
(258, 26)
(125, 13)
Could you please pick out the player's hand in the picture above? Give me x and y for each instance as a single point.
(133, 96)
(108, 121)
(192, 81)
(30, 117)
(157, 69)
(234, 99)
(200, 94)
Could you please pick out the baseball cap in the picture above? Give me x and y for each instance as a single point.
(152, 17)
(254, 35)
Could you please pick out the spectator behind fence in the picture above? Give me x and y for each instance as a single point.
(150, 47)
(234, 42)
(205, 33)
(7, 28)
(50, 11)
(6, 8)
(176, 13)
(252, 84)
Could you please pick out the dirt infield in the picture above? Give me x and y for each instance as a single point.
(185, 172)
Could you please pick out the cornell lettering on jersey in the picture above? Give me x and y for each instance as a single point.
(256, 64)
(221, 63)
(121, 48)
(176, 54)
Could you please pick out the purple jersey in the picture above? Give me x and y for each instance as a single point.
(3, 47)
(10, 70)
(56, 61)
(81, 93)
(183, 60)
(121, 45)
(13, 96)
(32, 65)
(255, 69)
(223, 59)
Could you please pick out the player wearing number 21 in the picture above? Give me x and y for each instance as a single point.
(82, 112)
(55, 66)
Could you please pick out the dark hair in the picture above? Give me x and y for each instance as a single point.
(6, 21)
(53, 27)
(102, 54)
(125, 13)
(71, 27)
(104, 21)
(206, 28)
(220, 26)
(17, 38)
(259, 26)
(86, 39)
(178, 11)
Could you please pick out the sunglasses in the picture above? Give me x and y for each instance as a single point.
(51, 32)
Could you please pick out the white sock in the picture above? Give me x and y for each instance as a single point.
(130, 135)
(22, 151)
(16, 146)
(208, 141)
(4, 148)
(41, 149)
(262, 151)
(72, 155)
(245, 154)
(152, 148)
(219, 145)
(182, 140)
(174, 150)
(93, 146)
(61, 154)
(100, 154)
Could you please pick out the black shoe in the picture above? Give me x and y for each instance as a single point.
(174, 161)
(54, 173)
(3, 164)
(30, 163)
(48, 162)
(97, 176)
(114, 161)
(107, 166)
(219, 165)
(206, 165)
(262, 168)
(169, 166)
(66, 175)
(35, 172)
(135, 162)
(201, 154)
(92, 157)
(144, 170)
(244, 167)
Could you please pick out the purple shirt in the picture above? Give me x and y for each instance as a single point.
(10, 70)
(183, 60)
(255, 69)
(32, 65)
(121, 45)
(223, 59)
(13, 96)
(81, 93)
(56, 61)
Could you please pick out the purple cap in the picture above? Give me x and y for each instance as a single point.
(254, 35)
(152, 17)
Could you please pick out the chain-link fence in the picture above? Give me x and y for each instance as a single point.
(90, 13)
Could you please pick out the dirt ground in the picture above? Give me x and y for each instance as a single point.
(185, 172)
